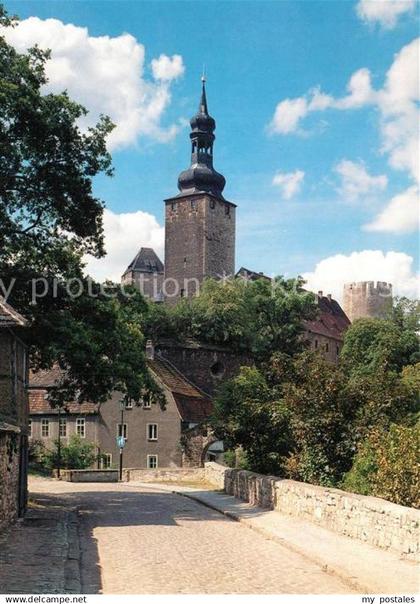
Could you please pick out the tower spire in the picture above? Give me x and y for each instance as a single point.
(203, 101)
(201, 176)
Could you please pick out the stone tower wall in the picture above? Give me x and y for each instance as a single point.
(199, 242)
(367, 299)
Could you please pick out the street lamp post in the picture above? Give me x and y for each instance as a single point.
(121, 440)
(59, 445)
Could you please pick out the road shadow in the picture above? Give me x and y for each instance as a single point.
(97, 509)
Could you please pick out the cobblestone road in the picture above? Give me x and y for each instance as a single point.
(141, 540)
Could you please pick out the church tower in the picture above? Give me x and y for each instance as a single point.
(199, 221)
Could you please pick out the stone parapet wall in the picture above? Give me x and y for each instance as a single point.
(375, 521)
(164, 474)
(89, 475)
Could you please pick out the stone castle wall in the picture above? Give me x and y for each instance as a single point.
(375, 521)
(367, 299)
(199, 242)
(205, 365)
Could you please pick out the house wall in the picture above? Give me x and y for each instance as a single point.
(13, 379)
(13, 426)
(137, 446)
(91, 428)
(328, 347)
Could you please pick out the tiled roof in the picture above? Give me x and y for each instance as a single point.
(193, 405)
(46, 377)
(331, 322)
(146, 261)
(40, 381)
(172, 378)
(9, 317)
(39, 405)
(193, 410)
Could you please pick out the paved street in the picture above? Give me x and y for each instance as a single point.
(142, 540)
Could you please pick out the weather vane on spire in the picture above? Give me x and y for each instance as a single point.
(203, 76)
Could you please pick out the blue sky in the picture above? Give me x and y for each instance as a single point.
(339, 166)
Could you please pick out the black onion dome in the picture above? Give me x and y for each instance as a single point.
(201, 178)
(202, 123)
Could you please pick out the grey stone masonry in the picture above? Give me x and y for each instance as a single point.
(369, 519)
(199, 243)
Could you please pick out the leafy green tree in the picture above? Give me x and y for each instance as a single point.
(247, 415)
(260, 316)
(321, 412)
(379, 344)
(49, 219)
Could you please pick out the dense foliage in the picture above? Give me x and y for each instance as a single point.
(257, 316)
(49, 219)
(298, 416)
(387, 465)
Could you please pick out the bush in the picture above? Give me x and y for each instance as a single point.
(77, 454)
(387, 465)
(36, 455)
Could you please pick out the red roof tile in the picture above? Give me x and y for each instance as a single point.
(192, 404)
(39, 405)
(331, 322)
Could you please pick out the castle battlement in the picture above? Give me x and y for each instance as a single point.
(367, 299)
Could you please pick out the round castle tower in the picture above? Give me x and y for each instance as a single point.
(367, 299)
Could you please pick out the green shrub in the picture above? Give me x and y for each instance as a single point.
(387, 465)
(77, 454)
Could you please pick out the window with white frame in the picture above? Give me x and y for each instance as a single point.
(106, 461)
(152, 431)
(45, 428)
(62, 426)
(152, 462)
(147, 403)
(122, 430)
(81, 427)
(30, 428)
(128, 403)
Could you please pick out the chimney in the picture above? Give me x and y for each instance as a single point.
(150, 350)
(320, 294)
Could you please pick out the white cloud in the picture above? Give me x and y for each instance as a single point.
(401, 215)
(356, 181)
(288, 114)
(331, 273)
(290, 183)
(167, 68)
(106, 75)
(125, 234)
(384, 12)
(397, 103)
